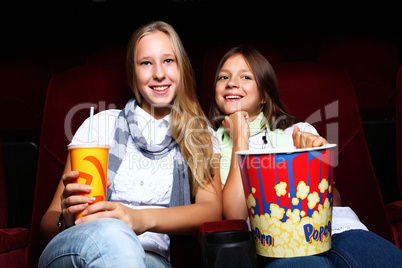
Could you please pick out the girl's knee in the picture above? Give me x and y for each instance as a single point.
(114, 241)
(106, 226)
(101, 243)
(110, 231)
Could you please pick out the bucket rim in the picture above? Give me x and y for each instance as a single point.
(285, 150)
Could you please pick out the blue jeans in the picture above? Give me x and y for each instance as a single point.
(99, 243)
(354, 248)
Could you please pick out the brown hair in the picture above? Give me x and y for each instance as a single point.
(267, 84)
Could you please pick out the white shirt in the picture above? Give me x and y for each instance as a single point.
(139, 182)
(255, 142)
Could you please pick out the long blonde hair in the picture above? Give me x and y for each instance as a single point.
(188, 124)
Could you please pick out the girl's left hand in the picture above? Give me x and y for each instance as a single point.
(105, 209)
(306, 139)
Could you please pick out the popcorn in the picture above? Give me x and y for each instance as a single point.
(323, 185)
(296, 235)
(302, 190)
(280, 189)
(313, 199)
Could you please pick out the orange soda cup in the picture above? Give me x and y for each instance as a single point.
(91, 161)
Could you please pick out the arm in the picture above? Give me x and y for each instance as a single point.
(64, 200)
(234, 201)
(175, 220)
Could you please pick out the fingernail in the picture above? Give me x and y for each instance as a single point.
(91, 199)
(88, 188)
(75, 173)
(85, 212)
(78, 221)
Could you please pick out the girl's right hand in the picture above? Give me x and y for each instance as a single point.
(72, 200)
(236, 125)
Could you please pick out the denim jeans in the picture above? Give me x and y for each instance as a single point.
(354, 248)
(99, 243)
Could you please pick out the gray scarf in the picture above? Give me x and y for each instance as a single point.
(126, 126)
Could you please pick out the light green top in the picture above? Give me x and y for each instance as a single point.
(226, 142)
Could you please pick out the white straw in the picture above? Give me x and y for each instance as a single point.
(90, 124)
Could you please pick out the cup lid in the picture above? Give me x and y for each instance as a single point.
(87, 145)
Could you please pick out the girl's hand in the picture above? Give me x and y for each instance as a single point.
(108, 183)
(134, 218)
(306, 139)
(236, 125)
(72, 201)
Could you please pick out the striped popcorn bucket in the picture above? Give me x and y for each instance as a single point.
(289, 199)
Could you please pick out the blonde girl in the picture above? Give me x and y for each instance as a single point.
(161, 178)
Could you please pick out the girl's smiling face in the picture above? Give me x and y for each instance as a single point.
(236, 88)
(157, 73)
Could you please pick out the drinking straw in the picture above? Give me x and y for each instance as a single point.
(91, 115)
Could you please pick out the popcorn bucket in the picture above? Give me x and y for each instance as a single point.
(289, 199)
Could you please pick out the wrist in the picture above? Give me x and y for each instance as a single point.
(61, 223)
(240, 145)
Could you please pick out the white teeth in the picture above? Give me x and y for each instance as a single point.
(232, 97)
(160, 88)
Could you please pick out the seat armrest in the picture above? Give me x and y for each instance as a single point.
(394, 211)
(221, 226)
(13, 238)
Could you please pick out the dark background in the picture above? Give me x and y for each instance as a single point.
(87, 25)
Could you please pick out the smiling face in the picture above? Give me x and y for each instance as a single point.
(157, 73)
(236, 88)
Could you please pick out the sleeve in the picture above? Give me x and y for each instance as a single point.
(102, 129)
(303, 126)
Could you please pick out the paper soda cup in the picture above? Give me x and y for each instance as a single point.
(289, 198)
(91, 161)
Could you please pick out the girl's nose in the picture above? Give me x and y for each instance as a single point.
(233, 83)
(159, 72)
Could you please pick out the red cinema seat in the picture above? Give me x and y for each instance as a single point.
(324, 96)
(23, 85)
(372, 64)
(395, 208)
(399, 127)
(13, 241)
(69, 97)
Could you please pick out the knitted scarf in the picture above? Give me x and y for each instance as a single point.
(126, 126)
(276, 138)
